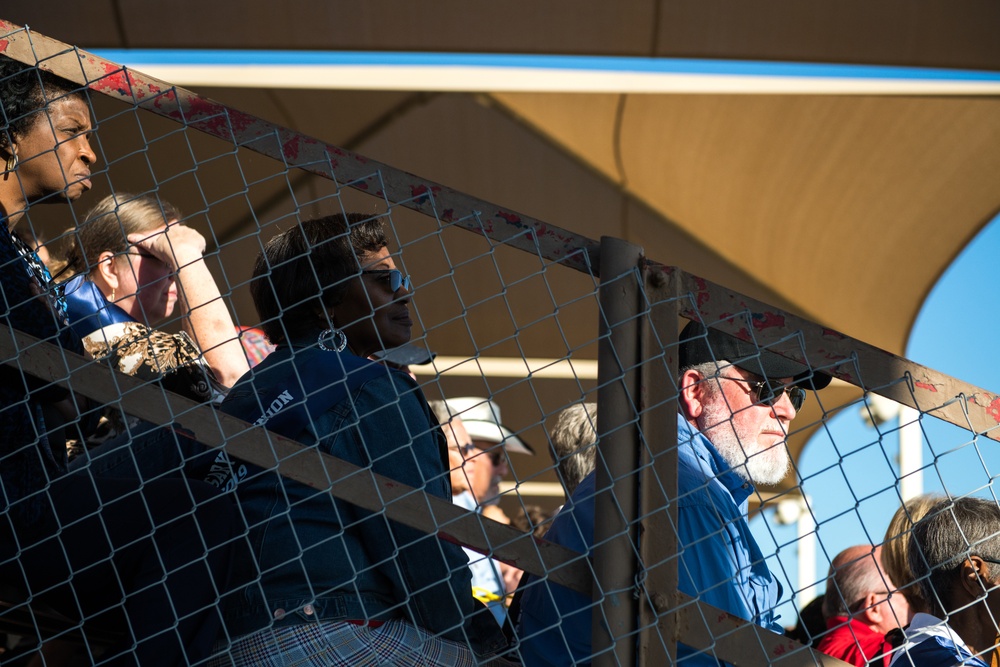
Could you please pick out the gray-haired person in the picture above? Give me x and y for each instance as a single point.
(736, 402)
(955, 554)
(861, 605)
(573, 439)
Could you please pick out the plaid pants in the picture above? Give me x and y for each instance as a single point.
(336, 643)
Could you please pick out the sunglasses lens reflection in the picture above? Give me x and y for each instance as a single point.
(769, 393)
(397, 280)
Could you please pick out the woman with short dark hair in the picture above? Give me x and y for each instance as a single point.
(338, 585)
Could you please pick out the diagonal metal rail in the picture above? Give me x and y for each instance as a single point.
(359, 486)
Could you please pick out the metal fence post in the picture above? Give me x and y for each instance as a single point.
(619, 354)
(658, 541)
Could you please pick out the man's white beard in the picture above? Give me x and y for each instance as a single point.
(764, 466)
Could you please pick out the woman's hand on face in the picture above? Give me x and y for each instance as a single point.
(173, 244)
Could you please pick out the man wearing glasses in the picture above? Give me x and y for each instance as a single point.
(860, 607)
(491, 440)
(735, 405)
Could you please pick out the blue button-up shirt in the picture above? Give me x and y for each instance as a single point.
(720, 564)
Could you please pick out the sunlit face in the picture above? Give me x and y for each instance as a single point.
(147, 287)
(371, 314)
(459, 445)
(490, 459)
(894, 610)
(750, 437)
(54, 156)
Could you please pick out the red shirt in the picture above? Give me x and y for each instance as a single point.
(852, 641)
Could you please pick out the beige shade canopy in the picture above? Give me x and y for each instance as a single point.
(843, 208)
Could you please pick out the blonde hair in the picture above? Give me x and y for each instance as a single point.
(896, 544)
(107, 227)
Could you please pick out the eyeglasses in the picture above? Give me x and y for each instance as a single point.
(496, 455)
(465, 450)
(147, 257)
(768, 392)
(395, 277)
(860, 604)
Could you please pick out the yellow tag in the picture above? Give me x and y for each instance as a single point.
(484, 595)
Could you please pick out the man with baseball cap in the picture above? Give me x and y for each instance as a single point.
(735, 405)
(481, 418)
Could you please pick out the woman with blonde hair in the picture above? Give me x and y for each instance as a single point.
(133, 263)
(896, 544)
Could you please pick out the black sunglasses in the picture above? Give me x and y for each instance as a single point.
(768, 392)
(496, 455)
(396, 278)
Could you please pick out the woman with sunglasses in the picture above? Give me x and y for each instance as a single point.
(335, 584)
(108, 552)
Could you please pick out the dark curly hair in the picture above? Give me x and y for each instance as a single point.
(303, 272)
(24, 91)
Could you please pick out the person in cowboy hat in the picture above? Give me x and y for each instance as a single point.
(491, 580)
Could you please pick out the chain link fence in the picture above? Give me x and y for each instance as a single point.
(357, 547)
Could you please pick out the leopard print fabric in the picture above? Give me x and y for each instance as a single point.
(133, 348)
(148, 354)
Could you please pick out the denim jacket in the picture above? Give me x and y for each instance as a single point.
(321, 558)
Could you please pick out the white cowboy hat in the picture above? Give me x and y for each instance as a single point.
(481, 418)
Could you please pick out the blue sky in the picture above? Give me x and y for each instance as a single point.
(849, 473)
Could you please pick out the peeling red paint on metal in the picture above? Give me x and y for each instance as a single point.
(217, 119)
(167, 99)
(787, 647)
(448, 214)
(830, 333)
(830, 355)
(290, 149)
(241, 121)
(3, 42)
(330, 150)
(512, 218)
(703, 296)
(994, 410)
(117, 80)
(925, 385)
(767, 320)
(420, 192)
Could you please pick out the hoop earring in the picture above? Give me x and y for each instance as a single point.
(12, 162)
(332, 340)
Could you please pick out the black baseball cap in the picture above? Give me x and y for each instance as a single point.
(700, 345)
